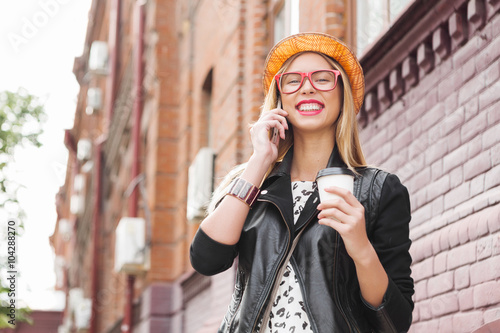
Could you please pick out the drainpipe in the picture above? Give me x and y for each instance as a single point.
(139, 22)
(114, 48)
(137, 111)
(96, 226)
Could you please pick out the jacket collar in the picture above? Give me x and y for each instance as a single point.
(335, 160)
(277, 189)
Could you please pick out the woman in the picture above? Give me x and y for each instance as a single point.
(303, 266)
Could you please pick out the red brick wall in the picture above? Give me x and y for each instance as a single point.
(435, 124)
(43, 322)
(323, 15)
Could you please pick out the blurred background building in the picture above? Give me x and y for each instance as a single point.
(168, 89)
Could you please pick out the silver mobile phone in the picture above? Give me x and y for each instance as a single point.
(275, 137)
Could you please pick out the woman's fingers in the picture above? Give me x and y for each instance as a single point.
(261, 133)
(346, 195)
(261, 129)
(346, 215)
(337, 208)
(273, 119)
(276, 114)
(350, 209)
(340, 227)
(284, 124)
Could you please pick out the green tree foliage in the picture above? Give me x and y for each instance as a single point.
(21, 118)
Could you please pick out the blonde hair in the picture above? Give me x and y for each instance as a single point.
(346, 133)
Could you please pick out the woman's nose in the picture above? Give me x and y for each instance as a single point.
(307, 87)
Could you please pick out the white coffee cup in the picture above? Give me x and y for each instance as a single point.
(336, 176)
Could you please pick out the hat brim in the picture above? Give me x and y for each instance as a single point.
(317, 42)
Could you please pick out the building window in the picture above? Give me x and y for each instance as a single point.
(286, 20)
(206, 109)
(373, 18)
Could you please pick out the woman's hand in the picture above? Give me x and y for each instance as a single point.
(347, 216)
(262, 144)
(225, 223)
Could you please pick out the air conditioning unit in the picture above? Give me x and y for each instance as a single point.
(130, 245)
(87, 167)
(83, 311)
(65, 229)
(66, 325)
(63, 329)
(83, 149)
(98, 58)
(60, 268)
(75, 296)
(79, 183)
(200, 183)
(76, 204)
(94, 100)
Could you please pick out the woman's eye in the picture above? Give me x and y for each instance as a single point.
(291, 79)
(292, 82)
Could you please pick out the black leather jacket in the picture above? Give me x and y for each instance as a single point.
(326, 273)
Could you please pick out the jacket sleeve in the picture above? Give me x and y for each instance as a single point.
(209, 257)
(390, 238)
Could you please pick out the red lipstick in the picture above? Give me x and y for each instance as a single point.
(309, 107)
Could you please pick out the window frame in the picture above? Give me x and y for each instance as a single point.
(352, 29)
(291, 26)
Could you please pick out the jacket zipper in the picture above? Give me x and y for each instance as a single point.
(280, 264)
(337, 301)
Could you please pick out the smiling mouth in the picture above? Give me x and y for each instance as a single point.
(310, 107)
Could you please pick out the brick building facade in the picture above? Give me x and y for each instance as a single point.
(186, 75)
(43, 321)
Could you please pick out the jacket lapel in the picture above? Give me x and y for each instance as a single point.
(279, 192)
(277, 189)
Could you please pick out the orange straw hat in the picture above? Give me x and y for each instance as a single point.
(317, 42)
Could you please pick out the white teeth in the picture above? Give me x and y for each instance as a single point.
(310, 107)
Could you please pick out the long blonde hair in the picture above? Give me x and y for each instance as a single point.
(346, 134)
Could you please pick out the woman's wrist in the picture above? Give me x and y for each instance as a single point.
(244, 191)
(256, 169)
(366, 256)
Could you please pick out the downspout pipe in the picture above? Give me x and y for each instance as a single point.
(96, 227)
(114, 50)
(138, 104)
(127, 325)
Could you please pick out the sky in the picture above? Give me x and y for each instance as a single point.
(39, 40)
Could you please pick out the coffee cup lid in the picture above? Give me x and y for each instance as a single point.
(334, 171)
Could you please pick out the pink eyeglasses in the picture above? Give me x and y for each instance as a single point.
(322, 80)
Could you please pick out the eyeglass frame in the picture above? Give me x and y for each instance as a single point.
(337, 73)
